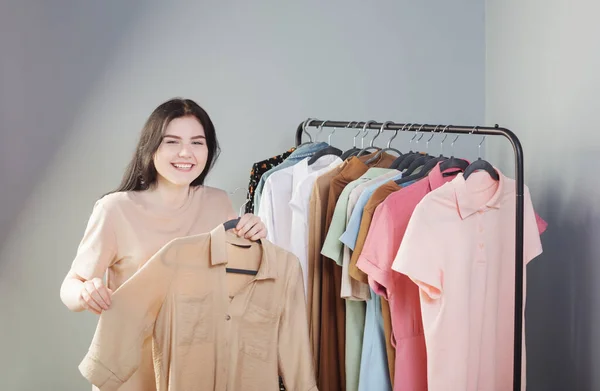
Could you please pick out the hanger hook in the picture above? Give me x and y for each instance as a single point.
(331, 134)
(453, 141)
(404, 127)
(356, 135)
(377, 135)
(245, 202)
(445, 137)
(319, 130)
(431, 138)
(395, 133)
(416, 133)
(433, 133)
(452, 145)
(479, 147)
(366, 131)
(304, 125)
(408, 130)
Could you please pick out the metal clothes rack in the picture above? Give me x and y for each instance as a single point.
(519, 178)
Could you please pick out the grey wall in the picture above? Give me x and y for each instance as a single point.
(79, 78)
(542, 80)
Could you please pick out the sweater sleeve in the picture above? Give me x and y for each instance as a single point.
(98, 247)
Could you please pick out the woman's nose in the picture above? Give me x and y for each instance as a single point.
(184, 151)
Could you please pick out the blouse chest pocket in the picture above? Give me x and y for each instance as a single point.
(194, 324)
(258, 332)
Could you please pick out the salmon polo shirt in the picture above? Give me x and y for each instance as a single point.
(459, 248)
(205, 339)
(385, 234)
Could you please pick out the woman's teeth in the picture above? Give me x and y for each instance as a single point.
(183, 166)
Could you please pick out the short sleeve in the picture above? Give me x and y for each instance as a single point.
(332, 247)
(420, 261)
(532, 245)
(351, 233)
(378, 252)
(98, 247)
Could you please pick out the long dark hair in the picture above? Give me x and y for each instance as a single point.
(141, 173)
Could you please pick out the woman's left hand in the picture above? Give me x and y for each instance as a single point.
(251, 227)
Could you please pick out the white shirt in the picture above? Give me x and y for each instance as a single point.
(274, 210)
(303, 180)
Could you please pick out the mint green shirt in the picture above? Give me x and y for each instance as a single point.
(355, 310)
(332, 247)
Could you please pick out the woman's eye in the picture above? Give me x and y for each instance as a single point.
(198, 143)
(171, 141)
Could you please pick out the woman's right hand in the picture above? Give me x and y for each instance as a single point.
(94, 296)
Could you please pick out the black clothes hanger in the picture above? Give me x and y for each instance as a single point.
(429, 164)
(418, 162)
(352, 150)
(421, 160)
(323, 152)
(460, 164)
(231, 224)
(453, 162)
(329, 150)
(240, 271)
(370, 148)
(349, 153)
(481, 164)
(427, 167)
(388, 148)
(403, 161)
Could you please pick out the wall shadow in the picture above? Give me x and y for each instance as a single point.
(53, 53)
(559, 328)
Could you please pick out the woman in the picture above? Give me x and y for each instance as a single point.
(162, 197)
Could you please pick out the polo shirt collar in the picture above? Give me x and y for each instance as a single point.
(466, 199)
(219, 239)
(436, 177)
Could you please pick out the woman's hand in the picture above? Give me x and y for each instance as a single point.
(251, 227)
(95, 297)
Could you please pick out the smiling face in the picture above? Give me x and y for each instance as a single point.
(182, 154)
(177, 146)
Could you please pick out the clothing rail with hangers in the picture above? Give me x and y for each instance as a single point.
(519, 179)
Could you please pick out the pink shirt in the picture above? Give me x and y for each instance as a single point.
(459, 249)
(383, 240)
